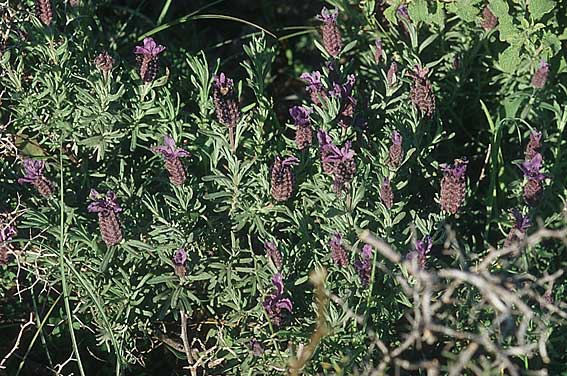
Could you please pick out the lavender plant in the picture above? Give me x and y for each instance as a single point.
(305, 156)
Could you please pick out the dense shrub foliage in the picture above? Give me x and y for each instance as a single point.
(167, 193)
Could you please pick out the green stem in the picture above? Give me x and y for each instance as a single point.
(62, 236)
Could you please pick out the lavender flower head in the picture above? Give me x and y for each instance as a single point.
(403, 12)
(147, 56)
(103, 203)
(363, 265)
(226, 102)
(106, 206)
(33, 170)
(274, 254)
(104, 62)
(332, 40)
(282, 178)
(343, 165)
(149, 48)
(256, 347)
(534, 145)
(518, 230)
(179, 260)
(33, 174)
(531, 168)
(533, 187)
(396, 152)
(169, 150)
(275, 303)
(453, 186)
(338, 253)
(173, 164)
(314, 86)
(300, 115)
(391, 75)
(328, 16)
(386, 193)
(421, 92)
(540, 77)
(379, 50)
(422, 248)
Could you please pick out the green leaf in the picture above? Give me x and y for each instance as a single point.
(467, 10)
(418, 11)
(509, 60)
(538, 8)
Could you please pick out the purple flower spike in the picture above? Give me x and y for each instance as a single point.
(300, 115)
(518, 230)
(540, 77)
(332, 39)
(391, 75)
(173, 164)
(386, 193)
(338, 253)
(169, 150)
(327, 15)
(303, 130)
(363, 265)
(33, 170)
(453, 186)
(422, 248)
(256, 347)
(342, 164)
(421, 92)
(103, 203)
(275, 303)
(314, 86)
(531, 170)
(107, 207)
(282, 178)
(179, 261)
(396, 152)
(534, 145)
(379, 50)
(147, 57)
(274, 254)
(149, 48)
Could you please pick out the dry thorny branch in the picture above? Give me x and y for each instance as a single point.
(507, 301)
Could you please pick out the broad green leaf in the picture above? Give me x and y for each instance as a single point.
(499, 8)
(539, 8)
(418, 11)
(509, 60)
(467, 10)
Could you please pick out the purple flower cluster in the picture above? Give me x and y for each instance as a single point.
(147, 57)
(518, 230)
(106, 206)
(104, 62)
(421, 92)
(332, 40)
(378, 51)
(391, 75)
(422, 248)
(314, 87)
(33, 170)
(171, 153)
(338, 253)
(282, 178)
(363, 265)
(274, 254)
(44, 11)
(489, 20)
(533, 188)
(386, 193)
(540, 77)
(338, 162)
(534, 145)
(302, 122)
(179, 260)
(275, 303)
(453, 186)
(396, 152)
